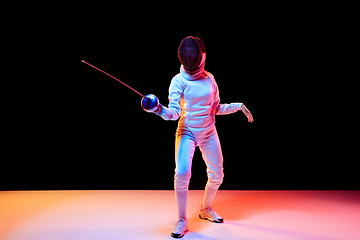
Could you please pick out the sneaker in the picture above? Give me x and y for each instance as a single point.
(209, 214)
(180, 228)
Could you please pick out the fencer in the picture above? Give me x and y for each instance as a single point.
(194, 98)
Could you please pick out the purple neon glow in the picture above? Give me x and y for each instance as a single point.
(113, 78)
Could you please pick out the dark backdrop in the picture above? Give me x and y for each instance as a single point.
(76, 128)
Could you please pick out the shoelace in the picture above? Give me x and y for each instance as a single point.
(206, 209)
(184, 219)
(211, 212)
(180, 224)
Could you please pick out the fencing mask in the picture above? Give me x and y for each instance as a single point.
(190, 52)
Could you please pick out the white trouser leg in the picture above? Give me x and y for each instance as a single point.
(212, 154)
(184, 151)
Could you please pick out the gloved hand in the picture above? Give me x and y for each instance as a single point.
(159, 110)
(150, 103)
(247, 113)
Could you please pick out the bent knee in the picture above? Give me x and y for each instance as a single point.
(215, 183)
(182, 179)
(215, 179)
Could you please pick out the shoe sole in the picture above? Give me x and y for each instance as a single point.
(214, 221)
(178, 235)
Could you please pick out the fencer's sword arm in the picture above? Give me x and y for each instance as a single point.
(173, 111)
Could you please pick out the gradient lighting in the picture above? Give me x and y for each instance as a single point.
(110, 215)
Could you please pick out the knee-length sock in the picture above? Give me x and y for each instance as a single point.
(181, 201)
(209, 195)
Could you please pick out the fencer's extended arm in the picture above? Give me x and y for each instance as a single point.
(173, 111)
(222, 109)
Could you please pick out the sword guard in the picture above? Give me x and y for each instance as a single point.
(150, 103)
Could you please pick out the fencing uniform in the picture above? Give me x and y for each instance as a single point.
(194, 98)
(196, 101)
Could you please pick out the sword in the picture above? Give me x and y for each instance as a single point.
(149, 102)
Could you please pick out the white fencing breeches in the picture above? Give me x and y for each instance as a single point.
(187, 139)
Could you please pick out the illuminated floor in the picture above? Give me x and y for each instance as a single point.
(108, 215)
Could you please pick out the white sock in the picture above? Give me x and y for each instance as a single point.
(181, 200)
(209, 195)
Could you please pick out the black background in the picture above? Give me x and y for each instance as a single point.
(72, 127)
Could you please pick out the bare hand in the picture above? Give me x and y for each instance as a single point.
(247, 113)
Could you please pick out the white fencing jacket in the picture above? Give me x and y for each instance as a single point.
(195, 101)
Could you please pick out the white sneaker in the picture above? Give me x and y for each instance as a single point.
(180, 228)
(209, 214)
